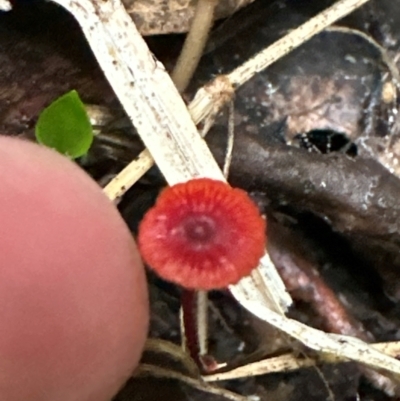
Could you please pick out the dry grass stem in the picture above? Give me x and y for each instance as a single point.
(293, 40)
(231, 140)
(117, 187)
(261, 286)
(194, 44)
(155, 371)
(174, 351)
(290, 362)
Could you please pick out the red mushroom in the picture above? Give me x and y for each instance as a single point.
(73, 299)
(202, 234)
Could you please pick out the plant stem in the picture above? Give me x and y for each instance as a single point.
(194, 43)
(194, 319)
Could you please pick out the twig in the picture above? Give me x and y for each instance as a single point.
(117, 187)
(174, 351)
(194, 44)
(230, 141)
(155, 371)
(290, 362)
(293, 40)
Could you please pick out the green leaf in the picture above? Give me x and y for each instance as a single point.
(65, 126)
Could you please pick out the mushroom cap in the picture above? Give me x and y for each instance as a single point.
(73, 297)
(202, 234)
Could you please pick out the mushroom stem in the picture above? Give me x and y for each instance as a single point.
(195, 321)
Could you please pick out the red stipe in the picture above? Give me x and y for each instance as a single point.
(202, 234)
(189, 306)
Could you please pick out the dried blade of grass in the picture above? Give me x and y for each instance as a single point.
(147, 370)
(292, 40)
(174, 351)
(194, 43)
(117, 187)
(289, 362)
(262, 284)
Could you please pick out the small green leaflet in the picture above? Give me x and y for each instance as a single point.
(65, 126)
